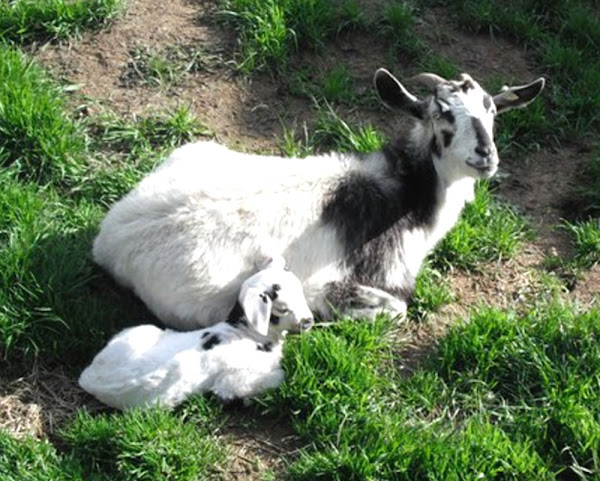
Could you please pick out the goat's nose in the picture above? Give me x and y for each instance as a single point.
(306, 324)
(484, 150)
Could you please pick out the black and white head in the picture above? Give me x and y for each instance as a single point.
(273, 300)
(456, 122)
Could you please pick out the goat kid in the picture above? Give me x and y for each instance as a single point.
(239, 358)
(354, 228)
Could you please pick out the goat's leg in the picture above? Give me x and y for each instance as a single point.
(358, 301)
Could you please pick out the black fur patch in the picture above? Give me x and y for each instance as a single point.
(264, 346)
(484, 142)
(435, 147)
(487, 102)
(345, 295)
(370, 221)
(274, 290)
(204, 334)
(236, 316)
(447, 137)
(445, 113)
(467, 85)
(274, 320)
(211, 342)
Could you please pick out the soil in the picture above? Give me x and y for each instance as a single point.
(248, 114)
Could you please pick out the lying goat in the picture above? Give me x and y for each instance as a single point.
(239, 358)
(354, 228)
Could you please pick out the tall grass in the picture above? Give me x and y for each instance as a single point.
(564, 38)
(270, 31)
(503, 397)
(489, 230)
(133, 446)
(25, 21)
(37, 139)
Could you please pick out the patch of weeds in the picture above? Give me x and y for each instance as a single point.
(563, 36)
(164, 68)
(37, 137)
(586, 239)
(364, 422)
(488, 230)
(292, 146)
(432, 291)
(591, 191)
(32, 460)
(398, 24)
(47, 281)
(333, 133)
(543, 368)
(132, 148)
(335, 85)
(151, 444)
(26, 21)
(270, 31)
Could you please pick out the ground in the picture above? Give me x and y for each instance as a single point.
(248, 114)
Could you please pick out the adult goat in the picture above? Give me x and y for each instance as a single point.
(354, 228)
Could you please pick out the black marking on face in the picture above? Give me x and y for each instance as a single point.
(435, 147)
(467, 85)
(447, 137)
(487, 102)
(445, 112)
(264, 346)
(236, 316)
(264, 296)
(484, 142)
(274, 320)
(204, 334)
(211, 342)
(274, 290)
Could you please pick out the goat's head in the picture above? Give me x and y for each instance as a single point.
(457, 120)
(273, 300)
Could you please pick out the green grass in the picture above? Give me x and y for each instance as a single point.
(133, 446)
(37, 139)
(26, 21)
(271, 31)
(163, 68)
(564, 38)
(503, 397)
(489, 230)
(586, 240)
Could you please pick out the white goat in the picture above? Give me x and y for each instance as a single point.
(239, 358)
(354, 228)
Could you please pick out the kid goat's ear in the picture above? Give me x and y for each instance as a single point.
(257, 307)
(393, 94)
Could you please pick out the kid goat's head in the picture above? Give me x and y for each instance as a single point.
(273, 300)
(456, 122)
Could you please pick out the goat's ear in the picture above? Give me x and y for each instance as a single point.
(257, 308)
(519, 96)
(394, 95)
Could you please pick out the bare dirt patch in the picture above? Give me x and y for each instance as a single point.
(248, 114)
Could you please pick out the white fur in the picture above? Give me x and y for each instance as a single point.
(185, 238)
(146, 366)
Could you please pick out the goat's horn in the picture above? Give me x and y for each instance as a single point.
(429, 80)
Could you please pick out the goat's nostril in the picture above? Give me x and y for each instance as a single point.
(306, 324)
(483, 150)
